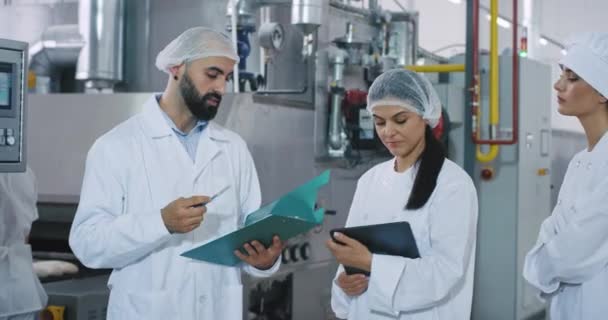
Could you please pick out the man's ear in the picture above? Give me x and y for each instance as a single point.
(174, 70)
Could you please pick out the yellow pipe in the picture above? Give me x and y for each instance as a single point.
(494, 77)
(494, 72)
(487, 157)
(437, 68)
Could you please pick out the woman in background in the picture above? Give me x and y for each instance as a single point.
(569, 262)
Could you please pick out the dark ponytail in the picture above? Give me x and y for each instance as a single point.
(429, 166)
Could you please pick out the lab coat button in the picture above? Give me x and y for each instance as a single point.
(202, 299)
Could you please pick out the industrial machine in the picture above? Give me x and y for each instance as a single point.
(306, 67)
(13, 62)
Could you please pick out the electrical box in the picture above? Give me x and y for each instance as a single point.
(13, 63)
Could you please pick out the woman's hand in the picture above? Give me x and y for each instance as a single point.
(352, 285)
(351, 253)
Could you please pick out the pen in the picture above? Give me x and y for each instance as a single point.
(212, 197)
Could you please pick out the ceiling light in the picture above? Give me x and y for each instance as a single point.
(501, 22)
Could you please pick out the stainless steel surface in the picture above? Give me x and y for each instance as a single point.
(307, 14)
(271, 36)
(59, 143)
(13, 102)
(281, 68)
(101, 23)
(404, 37)
(140, 73)
(246, 12)
(336, 118)
(340, 5)
(59, 46)
(335, 128)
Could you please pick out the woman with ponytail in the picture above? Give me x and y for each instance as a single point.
(420, 186)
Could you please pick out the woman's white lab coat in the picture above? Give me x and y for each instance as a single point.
(439, 285)
(132, 172)
(569, 262)
(20, 289)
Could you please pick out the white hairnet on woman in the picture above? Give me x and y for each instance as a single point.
(195, 43)
(569, 263)
(21, 295)
(406, 89)
(419, 186)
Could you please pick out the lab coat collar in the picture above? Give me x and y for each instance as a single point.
(601, 145)
(155, 125)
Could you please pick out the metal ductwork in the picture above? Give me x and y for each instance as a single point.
(59, 46)
(102, 25)
(307, 14)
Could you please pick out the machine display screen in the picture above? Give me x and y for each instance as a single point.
(6, 76)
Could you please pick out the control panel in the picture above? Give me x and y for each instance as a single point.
(13, 66)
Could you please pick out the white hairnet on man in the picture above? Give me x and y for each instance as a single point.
(407, 89)
(195, 43)
(21, 295)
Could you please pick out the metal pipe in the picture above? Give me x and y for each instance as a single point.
(470, 55)
(437, 68)
(494, 67)
(414, 22)
(337, 94)
(335, 140)
(386, 35)
(101, 23)
(412, 19)
(492, 153)
(307, 14)
(233, 18)
(475, 91)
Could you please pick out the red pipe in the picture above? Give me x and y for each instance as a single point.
(475, 92)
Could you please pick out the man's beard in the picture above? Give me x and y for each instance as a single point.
(198, 105)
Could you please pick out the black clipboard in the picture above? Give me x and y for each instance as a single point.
(395, 239)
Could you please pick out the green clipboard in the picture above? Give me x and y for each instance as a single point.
(292, 214)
